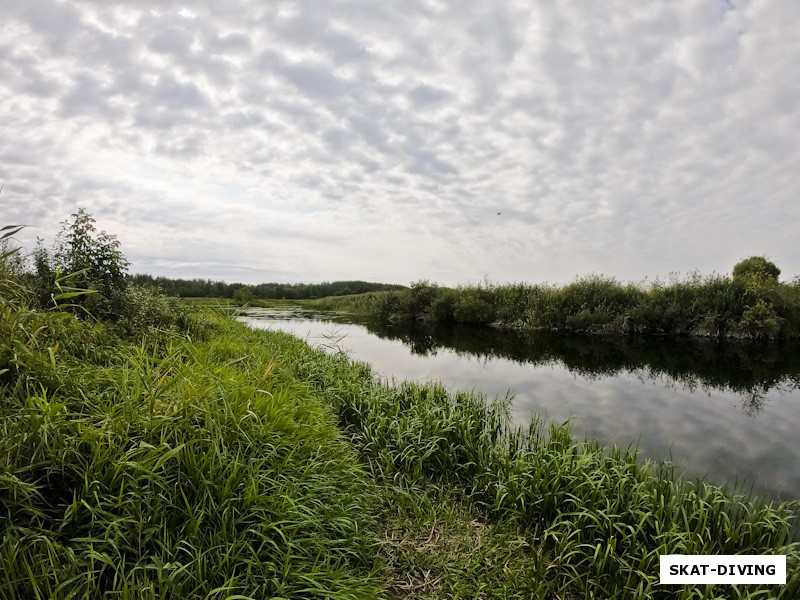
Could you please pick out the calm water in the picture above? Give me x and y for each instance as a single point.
(726, 412)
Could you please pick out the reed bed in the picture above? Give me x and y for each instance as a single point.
(743, 306)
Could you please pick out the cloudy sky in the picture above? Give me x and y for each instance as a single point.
(455, 141)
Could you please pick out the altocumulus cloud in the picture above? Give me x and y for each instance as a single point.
(316, 140)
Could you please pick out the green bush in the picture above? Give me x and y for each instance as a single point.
(511, 302)
(592, 304)
(760, 320)
(83, 271)
(244, 295)
(415, 303)
(765, 299)
(756, 267)
(84, 275)
(140, 310)
(474, 306)
(443, 306)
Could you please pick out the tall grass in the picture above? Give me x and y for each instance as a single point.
(600, 518)
(173, 469)
(712, 306)
(215, 469)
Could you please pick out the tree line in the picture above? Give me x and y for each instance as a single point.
(206, 288)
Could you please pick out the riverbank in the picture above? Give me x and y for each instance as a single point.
(751, 305)
(210, 460)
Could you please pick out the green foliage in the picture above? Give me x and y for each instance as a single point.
(766, 312)
(91, 261)
(443, 306)
(757, 267)
(174, 470)
(243, 295)
(206, 288)
(383, 305)
(143, 310)
(788, 302)
(12, 289)
(416, 302)
(474, 305)
(208, 460)
(94, 256)
(760, 320)
(594, 521)
(592, 304)
(752, 304)
(84, 275)
(512, 303)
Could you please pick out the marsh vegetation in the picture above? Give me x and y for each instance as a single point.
(150, 451)
(720, 409)
(751, 303)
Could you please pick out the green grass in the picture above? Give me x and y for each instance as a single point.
(176, 470)
(594, 520)
(713, 306)
(212, 460)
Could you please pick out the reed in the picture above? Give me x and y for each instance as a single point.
(712, 306)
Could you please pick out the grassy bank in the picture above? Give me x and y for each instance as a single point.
(222, 462)
(172, 469)
(753, 304)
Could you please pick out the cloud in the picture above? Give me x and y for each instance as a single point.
(380, 140)
(174, 41)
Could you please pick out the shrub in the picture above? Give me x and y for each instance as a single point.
(511, 302)
(760, 320)
(244, 295)
(443, 306)
(756, 267)
(474, 306)
(752, 303)
(87, 261)
(142, 309)
(416, 302)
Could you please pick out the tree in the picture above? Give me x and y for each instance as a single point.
(759, 278)
(84, 259)
(243, 295)
(756, 267)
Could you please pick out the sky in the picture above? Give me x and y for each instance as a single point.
(453, 141)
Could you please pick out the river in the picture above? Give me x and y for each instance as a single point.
(727, 412)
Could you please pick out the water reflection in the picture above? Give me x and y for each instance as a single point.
(750, 370)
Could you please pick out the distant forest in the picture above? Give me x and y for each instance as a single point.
(205, 288)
